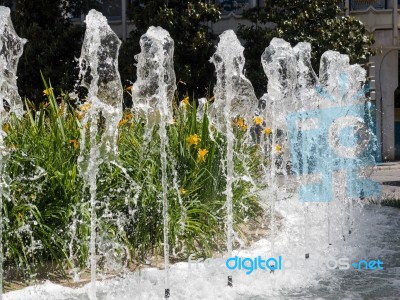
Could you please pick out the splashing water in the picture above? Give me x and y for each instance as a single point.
(234, 97)
(279, 63)
(152, 97)
(11, 48)
(99, 71)
(323, 123)
(155, 82)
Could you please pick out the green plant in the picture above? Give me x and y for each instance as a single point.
(47, 208)
(387, 202)
(42, 182)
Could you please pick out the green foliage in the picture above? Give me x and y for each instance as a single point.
(47, 207)
(393, 202)
(187, 23)
(319, 22)
(43, 182)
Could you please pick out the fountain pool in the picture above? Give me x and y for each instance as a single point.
(315, 150)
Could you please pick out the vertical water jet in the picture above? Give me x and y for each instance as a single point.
(99, 75)
(234, 97)
(323, 122)
(152, 97)
(279, 64)
(11, 48)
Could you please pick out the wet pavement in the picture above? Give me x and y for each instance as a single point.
(388, 175)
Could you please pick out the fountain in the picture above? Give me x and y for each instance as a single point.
(326, 129)
(11, 46)
(99, 73)
(152, 97)
(318, 144)
(234, 97)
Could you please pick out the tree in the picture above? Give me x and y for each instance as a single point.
(320, 22)
(187, 23)
(53, 43)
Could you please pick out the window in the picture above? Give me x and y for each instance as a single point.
(111, 9)
(236, 6)
(364, 4)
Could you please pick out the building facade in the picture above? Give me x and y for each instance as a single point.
(381, 18)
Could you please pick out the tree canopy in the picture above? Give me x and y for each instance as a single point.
(53, 43)
(187, 22)
(322, 23)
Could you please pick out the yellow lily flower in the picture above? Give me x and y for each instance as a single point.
(267, 130)
(47, 91)
(85, 107)
(74, 143)
(201, 155)
(127, 115)
(6, 127)
(258, 120)
(193, 139)
(241, 124)
(122, 122)
(185, 101)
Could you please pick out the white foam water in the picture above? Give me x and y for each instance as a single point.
(99, 72)
(11, 48)
(375, 236)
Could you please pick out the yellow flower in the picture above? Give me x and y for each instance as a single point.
(75, 143)
(45, 104)
(183, 191)
(47, 92)
(201, 155)
(79, 116)
(193, 139)
(185, 101)
(278, 148)
(258, 120)
(6, 128)
(267, 130)
(85, 107)
(241, 124)
(123, 122)
(127, 115)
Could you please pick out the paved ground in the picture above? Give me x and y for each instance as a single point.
(388, 174)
